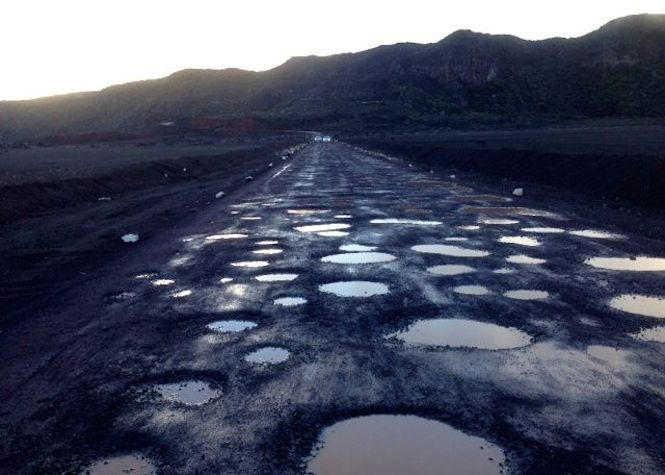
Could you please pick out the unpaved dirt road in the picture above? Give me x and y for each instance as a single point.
(82, 380)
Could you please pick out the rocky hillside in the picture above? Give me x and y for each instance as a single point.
(466, 78)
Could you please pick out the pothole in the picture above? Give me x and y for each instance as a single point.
(268, 355)
(448, 250)
(634, 264)
(231, 326)
(290, 301)
(134, 464)
(412, 222)
(397, 445)
(189, 393)
(450, 269)
(640, 305)
(317, 228)
(523, 259)
(471, 290)
(520, 240)
(355, 288)
(276, 277)
(524, 294)
(359, 258)
(462, 333)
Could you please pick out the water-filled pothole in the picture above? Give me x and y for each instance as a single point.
(523, 259)
(189, 393)
(471, 290)
(359, 258)
(276, 277)
(448, 250)
(461, 333)
(413, 222)
(290, 301)
(231, 326)
(134, 464)
(520, 240)
(397, 445)
(317, 228)
(268, 355)
(355, 288)
(526, 294)
(640, 305)
(634, 264)
(450, 269)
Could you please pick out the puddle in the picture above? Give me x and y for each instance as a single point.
(251, 218)
(276, 277)
(231, 326)
(613, 356)
(356, 248)
(317, 228)
(450, 269)
(398, 445)
(471, 290)
(333, 233)
(163, 282)
(595, 234)
(146, 276)
(470, 227)
(267, 243)
(526, 294)
(446, 250)
(306, 211)
(498, 221)
(133, 464)
(189, 393)
(635, 264)
(342, 216)
(221, 237)
(523, 259)
(503, 271)
(269, 251)
(544, 230)
(456, 239)
(359, 258)
(509, 210)
(355, 288)
(181, 294)
(225, 280)
(268, 355)
(414, 222)
(520, 240)
(290, 301)
(461, 333)
(640, 305)
(656, 334)
(250, 264)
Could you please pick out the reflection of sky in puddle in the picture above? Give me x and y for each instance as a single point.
(132, 463)
(305, 211)
(635, 264)
(471, 290)
(267, 243)
(595, 234)
(522, 259)
(456, 239)
(315, 228)
(225, 280)
(543, 230)
(276, 277)
(222, 237)
(450, 269)
(355, 288)
(342, 216)
(461, 333)
(270, 251)
(524, 294)
(656, 334)
(413, 222)
(498, 221)
(333, 233)
(520, 240)
(356, 248)
(268, 355)
(359, 258)
(290, 301)
(503, 271)
(469, 227)
(230, 326)
(163, 282)
(640, 305)
(250, 264)
(251, 218)
(181, 294)
(448, 250)
(189, 393)
(398, 445)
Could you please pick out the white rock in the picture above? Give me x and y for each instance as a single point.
(518, 192)
(130, 238)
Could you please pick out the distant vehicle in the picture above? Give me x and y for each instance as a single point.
(326, 138)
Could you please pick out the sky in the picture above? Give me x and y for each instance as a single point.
(59, 46)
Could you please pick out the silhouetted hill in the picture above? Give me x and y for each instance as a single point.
(466, 78)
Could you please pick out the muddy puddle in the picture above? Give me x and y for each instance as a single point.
(250, 264)
(520, 241)
(398, 445)
(524, 294)
(290, 301)
(231, 326)
(412, 222)
(471, 290)
(544, 230)
(449, 250)
(461, 333)
(134, 464)
(640, 305)
(526, 260)
(189, 393)
(268, 252)
(656, 334)
(268, 355)
(276, 277)
(450, 269)
(633, 264)
(356, 248)
(595, 234)
(355, 288)
(359, 258)
(317, 228)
